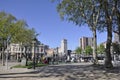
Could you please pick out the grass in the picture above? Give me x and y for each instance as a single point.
(20, 66)
(30, 65)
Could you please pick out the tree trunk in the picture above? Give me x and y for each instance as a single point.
(119, 27)
(26, 60)
(118, 19)
(108, 59)
(3, 57)
(108, 17)
(95, 61)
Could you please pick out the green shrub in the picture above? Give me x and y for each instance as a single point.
(40, 65)
(19, 66)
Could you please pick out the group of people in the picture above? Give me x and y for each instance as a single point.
(48, 60)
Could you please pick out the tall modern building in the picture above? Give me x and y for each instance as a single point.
(86, 41)
(64, 46)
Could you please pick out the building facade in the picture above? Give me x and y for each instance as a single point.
(116, 38)
(17, 51)
(86, 41)
(63, 47)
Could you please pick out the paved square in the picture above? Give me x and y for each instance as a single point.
(73, 71)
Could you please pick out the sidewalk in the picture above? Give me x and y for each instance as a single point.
(8, 69)
(72, 71)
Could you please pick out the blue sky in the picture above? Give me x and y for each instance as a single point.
(43, 16)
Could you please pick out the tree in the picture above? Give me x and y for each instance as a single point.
(107, 15)
(88, 50)
(116, 28)
(78, 50)
(24, 32)
(13, 30)
(6, 24)
(24, 36)
(98, 14)
(82, 12)
(101, 49)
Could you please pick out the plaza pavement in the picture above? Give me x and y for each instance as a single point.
(71, 71)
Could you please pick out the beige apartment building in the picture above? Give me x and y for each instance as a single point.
(85, 41)
(17, 51)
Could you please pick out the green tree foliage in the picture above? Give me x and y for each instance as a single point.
(23, 35)
(88, 50)
(6, 24)
(101, 49)
(98, 14)
(81, 12)
(13, 30)
(78, 50)
(24, 32)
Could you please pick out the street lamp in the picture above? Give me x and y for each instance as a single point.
(114, 56)
(34, 42)
(7, 52)
(57, 55)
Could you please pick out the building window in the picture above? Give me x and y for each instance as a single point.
(41, 50)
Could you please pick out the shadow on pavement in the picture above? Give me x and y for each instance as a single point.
(66, 72)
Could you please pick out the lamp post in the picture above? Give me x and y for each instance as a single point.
(7, 53)
(26, 55)
(57, 56)
(33, 42)
(7, 58)
(114, 56)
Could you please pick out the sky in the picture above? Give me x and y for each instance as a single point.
(43, 16)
